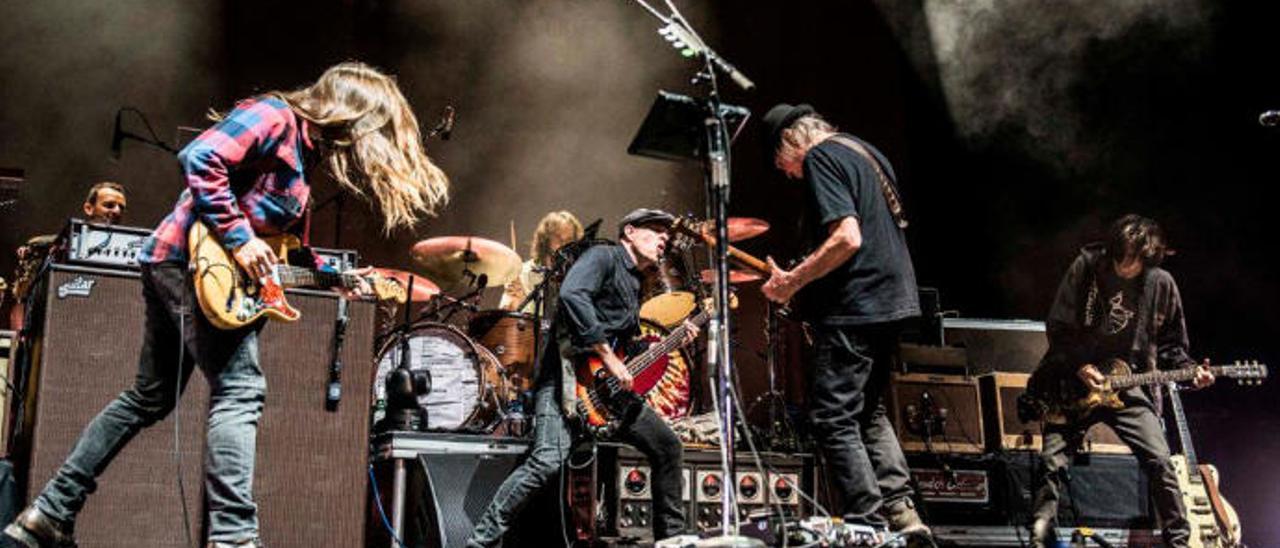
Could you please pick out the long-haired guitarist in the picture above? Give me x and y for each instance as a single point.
(599, 309)
(246, 177)
(854, 289)
(1115, 302)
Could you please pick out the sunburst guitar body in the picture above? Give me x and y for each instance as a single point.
(602, 405)
(231, 299)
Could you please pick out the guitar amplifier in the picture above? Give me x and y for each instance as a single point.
(112, 246)
(936, 413)
(611, 496)
(311, 473)
(998, 345)
(1004, 432)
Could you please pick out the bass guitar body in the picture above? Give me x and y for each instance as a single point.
(229, 298)
(600, 403)
(1199, 490)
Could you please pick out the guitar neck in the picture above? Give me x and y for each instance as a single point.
(665, 346)
(736, 255)
(1160, 377)
(1184, 431)
(293, 276)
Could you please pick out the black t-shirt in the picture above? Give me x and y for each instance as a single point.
(1115, 305)
(878, 284)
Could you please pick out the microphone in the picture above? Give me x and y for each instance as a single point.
(117, 137)
(1270, 118)
(448, 123)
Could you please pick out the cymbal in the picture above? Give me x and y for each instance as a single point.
(735, 276)
(423, 289)
(740, 228)
(447, 260)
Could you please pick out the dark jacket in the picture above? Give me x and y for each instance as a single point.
(1159, 340)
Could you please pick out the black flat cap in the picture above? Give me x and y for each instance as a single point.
(780, 117)
(644, 216)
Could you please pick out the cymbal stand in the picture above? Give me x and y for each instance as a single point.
(781, 432)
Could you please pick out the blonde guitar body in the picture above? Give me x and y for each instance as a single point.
(227, 296)
(1205, 530)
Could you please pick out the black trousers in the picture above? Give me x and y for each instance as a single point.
(849, 370)
(551, 443)
(1139, 428)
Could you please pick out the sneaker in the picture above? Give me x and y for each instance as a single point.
(904, 520)
(34, 529)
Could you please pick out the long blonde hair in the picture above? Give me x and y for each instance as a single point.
(551, 224)
(373, 140)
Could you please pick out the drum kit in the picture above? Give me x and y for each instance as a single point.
(481, 363)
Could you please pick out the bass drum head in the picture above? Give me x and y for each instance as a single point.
(467, 388)
(669, 391)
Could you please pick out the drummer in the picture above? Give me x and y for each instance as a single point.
(554, 231)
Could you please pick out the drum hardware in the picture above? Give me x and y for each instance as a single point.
(405, 388)
(781, 433)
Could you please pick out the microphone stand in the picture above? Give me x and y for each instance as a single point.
(716, 174)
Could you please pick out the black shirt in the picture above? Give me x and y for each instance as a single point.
(878, 284)
(600, 298)
(1115, 306)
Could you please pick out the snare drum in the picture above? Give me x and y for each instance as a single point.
(468, 391)
(509, 335)
(668, 293)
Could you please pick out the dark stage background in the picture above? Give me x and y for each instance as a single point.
(1018, 128)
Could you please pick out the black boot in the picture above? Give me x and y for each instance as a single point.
(33, 529)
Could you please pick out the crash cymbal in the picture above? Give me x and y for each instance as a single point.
(454, 261)
(735, 276)
(740, 228)
(423, 289)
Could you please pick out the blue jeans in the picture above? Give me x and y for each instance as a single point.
(551, 445)
(848, 374)
(229, 360)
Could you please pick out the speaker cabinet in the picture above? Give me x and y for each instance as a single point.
(8, 346)
(310, 476)
(312, 467)
(1000, 392)
(946, 407)
(85, 355)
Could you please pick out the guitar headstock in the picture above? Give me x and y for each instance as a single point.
(1247, 372)
(387, 289)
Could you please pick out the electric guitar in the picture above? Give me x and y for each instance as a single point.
(1069, 399)
(1214, 523)
(232, 299)
(602, 403)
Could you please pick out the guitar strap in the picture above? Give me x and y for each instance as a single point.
(886, 184)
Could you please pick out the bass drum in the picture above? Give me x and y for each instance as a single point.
(666, 384)
(468, 391)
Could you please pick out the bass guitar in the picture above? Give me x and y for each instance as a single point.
(1069, 399)
(602, 403)
(1214, 523)
(231, 299)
